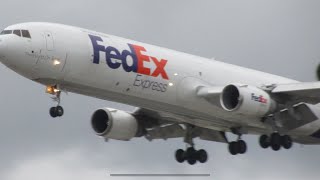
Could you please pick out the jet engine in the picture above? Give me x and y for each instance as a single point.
(114, 124)
(246, 100)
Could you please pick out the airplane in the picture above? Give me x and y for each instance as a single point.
(177, 95)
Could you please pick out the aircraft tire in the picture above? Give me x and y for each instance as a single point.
(52, 112)
(233, 148)
(191, 155)
(264, 141)
(276, 147)
(59, 111)
(202, 156)
(275, 138)
(242, 147)
(180, 155)
(286, 142)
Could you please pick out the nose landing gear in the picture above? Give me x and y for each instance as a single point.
(56, 111)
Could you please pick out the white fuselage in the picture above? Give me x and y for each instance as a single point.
(130, 72)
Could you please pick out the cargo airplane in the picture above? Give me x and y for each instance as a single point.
(177, 95)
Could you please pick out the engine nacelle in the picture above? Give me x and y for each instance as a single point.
(246, 100)
(114, 124)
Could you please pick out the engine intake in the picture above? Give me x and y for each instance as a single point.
(114, 124)
(247, 100)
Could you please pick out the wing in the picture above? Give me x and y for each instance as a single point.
(308, 92)
(293, 101)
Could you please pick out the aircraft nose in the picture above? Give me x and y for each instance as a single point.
(3, 49)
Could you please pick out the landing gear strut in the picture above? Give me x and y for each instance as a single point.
(191, 155)
(56, 111)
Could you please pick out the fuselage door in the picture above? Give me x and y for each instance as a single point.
(51, 60)
(49, 41)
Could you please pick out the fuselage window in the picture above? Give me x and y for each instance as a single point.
(17, 32)
(25, 33)
(6, 32)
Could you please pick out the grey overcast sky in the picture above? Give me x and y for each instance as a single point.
(280, 37)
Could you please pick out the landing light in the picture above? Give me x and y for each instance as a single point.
(170, 84)
(56, 62)
(51, 90)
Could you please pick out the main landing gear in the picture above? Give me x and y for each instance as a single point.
(191, 155)
(56, 111)
(275, 141)
(239, 146)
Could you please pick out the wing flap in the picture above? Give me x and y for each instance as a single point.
(296, 117)
(170, 131)
(162, 125)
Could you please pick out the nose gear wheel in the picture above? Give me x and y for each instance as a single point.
(56, 111)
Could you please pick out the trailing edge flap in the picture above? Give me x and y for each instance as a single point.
(170, 126)
(300, 114)
(211, 135)
(308, 92)
(176, 131)
(166, 132)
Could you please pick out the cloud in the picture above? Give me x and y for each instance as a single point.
(114, 158)
(66, 165)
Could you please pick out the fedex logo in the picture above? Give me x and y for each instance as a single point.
(139, 60)
(260, 98)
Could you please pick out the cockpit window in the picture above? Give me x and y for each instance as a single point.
(6, 32)
(17, 32)
(25, 33)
